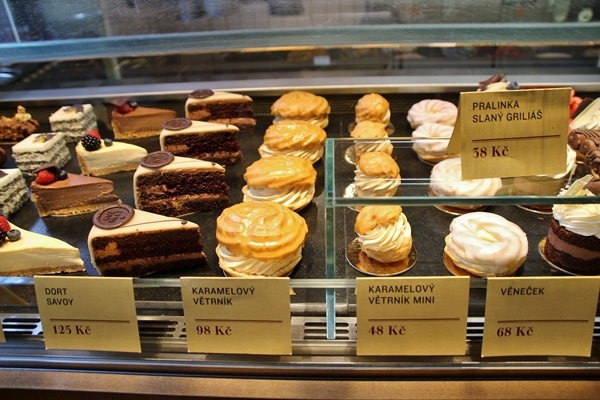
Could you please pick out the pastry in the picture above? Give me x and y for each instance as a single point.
(301, 105)
(371, 130)
(433, 148)
(58, 193)
(485, 244)
(222, 108)
(18, 127)
(99, 157)
(172, 186)
(128, 242)
(586, 143)
(497, 83)
(259, 239)
(131, 121)
(202, 140)
(372, 107)
(432, 110)
(286, 180)
(376, 175)
(39, 149)
(13, 191)
(294, 138)
(74, 121)
(573, 242)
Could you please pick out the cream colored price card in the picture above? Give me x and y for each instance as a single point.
(512, 133)
(550, 316)
(237, 315)
(412, 316)
(88, 313)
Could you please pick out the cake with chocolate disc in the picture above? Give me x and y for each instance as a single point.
(13, 191)
(303, 106)
(260, 239)
(222, 108)
(74, 121)
(128, 242)
(39, 149)
(131, 121)
(25, 253)
(56, 192)
(97, 156)
(202, 140)
(573, 242)
(170, 185)
(18, 127)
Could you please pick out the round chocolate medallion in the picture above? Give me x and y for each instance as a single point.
(201, 94)
(157, 159)
(113, 216)
(177, 124)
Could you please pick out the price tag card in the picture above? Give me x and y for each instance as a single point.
(237, 315)
(412, 316)
(87, 313)
(549, 316)
(512, 133)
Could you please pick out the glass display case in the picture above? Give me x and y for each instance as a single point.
(157, 52)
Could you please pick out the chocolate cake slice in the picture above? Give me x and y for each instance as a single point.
(221, 107)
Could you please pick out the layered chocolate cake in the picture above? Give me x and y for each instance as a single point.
(221, 107)
(202, 140)
(130, 121)
(171, 185)
(128, 242)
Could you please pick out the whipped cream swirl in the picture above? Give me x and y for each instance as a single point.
(583, 219)
(312, 153)
(243, 265)
(369, 186)
(294, 198)
(393, 239)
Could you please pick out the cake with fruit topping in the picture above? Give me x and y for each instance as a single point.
(74, 121)
(222, 108)
(128, 242)
(25, 253)
(170, 185)
(13, 191)
(56, 192)
(39, 149)
(202, 140)
(18, 127)
(131, 121)
(97, 156)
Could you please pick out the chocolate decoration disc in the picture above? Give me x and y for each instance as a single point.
(177, 124)
(201, 94)
(157, 159)
(113, 216)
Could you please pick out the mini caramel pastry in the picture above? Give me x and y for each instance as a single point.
(131, 121)
(385, 239)
(485, 245)
(128, 242)
(376, 175)
(18, 127)
(300, 105)
(573, 242)
(97, 156)
(286, 180)
(372, 107)
(260, 239)
(294, 138)
(221, 108)
(434, 144)
(371, 130)
(74, 121)
(432, 110)
(58, 193)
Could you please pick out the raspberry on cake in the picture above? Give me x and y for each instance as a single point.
(202, 140)
(13, 191)
(171, 185)
(222, 108)
(39, 149)
(128, 242)
(131, 121)
(74, 121)
(99, 157)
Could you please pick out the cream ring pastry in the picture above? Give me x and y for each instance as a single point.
(432, 110)
(433, 148)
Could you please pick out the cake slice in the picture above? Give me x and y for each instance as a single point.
(39, 149)
(202, 140)
(128, 242)
(74, 121)
(130, 121)
(36, 254)
(13, 191)
(102, 157)
(221, 107)
(58, 193)
(18, 127)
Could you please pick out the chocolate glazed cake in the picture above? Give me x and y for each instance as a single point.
(221, 107)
